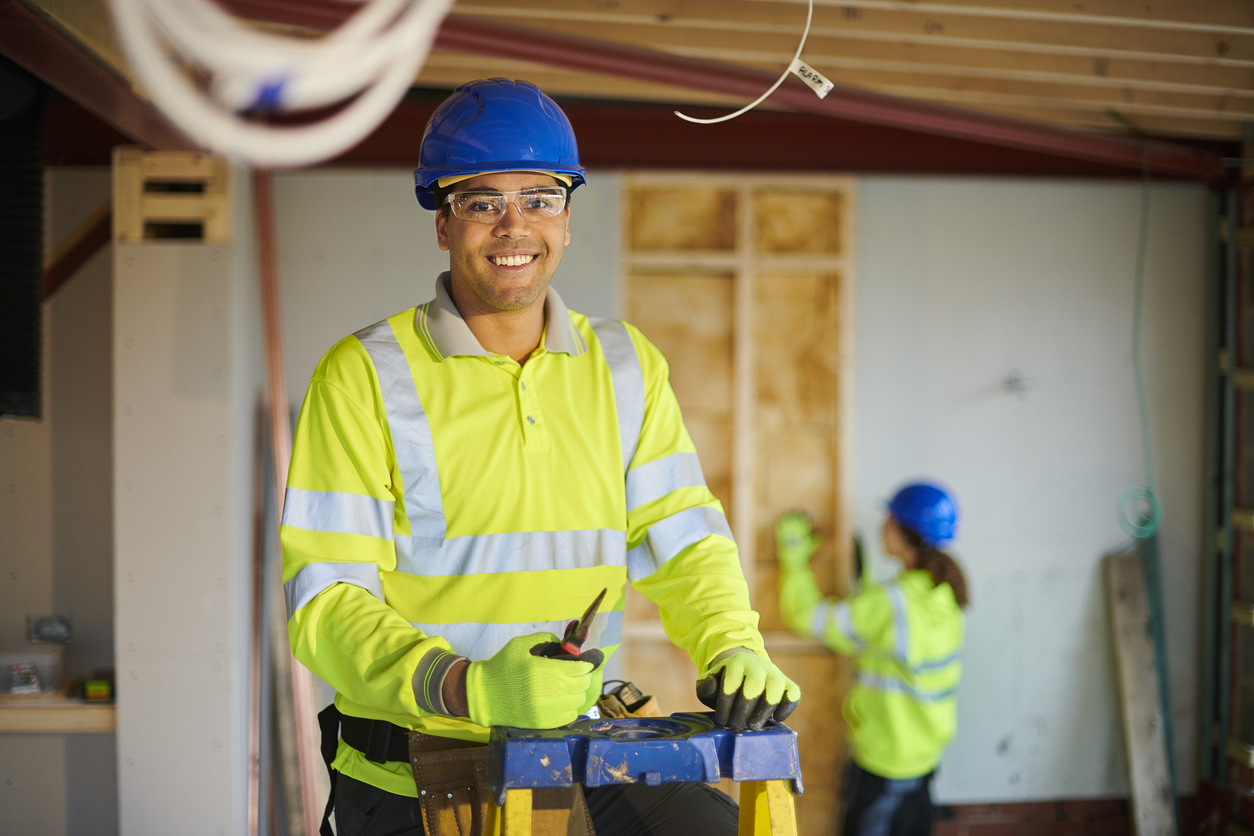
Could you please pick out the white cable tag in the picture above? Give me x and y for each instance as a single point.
(820, 85)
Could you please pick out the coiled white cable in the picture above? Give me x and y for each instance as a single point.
(376, 53)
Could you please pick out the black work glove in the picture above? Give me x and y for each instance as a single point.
(747, 691)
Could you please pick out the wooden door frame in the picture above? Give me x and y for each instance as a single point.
(744, 265)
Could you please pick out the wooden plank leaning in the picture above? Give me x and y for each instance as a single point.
(1149, 775)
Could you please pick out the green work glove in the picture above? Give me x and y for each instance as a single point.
(746, 691)
(795, 542)
(518, 687)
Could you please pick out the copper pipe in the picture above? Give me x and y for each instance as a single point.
(308, 750)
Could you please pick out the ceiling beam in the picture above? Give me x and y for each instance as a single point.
(895, 21)
(467, 34)
(50, 55)
(570, 52)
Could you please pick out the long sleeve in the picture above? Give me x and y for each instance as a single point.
(870, 621)
(337, 536)
(799, 595)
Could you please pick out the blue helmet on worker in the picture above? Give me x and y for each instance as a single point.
(928, 511)
(495, 125)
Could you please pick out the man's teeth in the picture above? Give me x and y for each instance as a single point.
(511, 260)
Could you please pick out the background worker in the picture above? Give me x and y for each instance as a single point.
(467, 475)
(905, 637)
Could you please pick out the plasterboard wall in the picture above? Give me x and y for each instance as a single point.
(964, 286)
(56, 535)
(960, 285)
(187, 377)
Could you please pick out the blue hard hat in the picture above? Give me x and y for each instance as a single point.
(491, 125)
(928, 510)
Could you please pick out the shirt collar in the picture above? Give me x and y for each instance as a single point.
(441, 326)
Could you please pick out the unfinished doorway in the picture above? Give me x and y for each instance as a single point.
(744, 284)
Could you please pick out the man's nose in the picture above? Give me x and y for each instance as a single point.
(512, 224)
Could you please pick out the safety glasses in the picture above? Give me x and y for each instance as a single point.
(489, 207)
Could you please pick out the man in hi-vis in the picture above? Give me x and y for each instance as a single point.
(468, 475)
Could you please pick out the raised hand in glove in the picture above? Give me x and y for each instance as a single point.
(746, 690)
(522, 686)
(795, 541)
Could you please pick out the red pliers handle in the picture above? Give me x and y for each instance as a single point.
(577, 631)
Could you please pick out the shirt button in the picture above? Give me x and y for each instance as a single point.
(530, 419)
(523, 385)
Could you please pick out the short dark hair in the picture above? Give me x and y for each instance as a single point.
(440, 196)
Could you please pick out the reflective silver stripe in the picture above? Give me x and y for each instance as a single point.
(411, 432)
(656, 479)
(620, 354)
(477, 640)
(819, 618)
(882, 683)
(339, 513)
(641, 562)
(844, 618)
(316, 577)
(670, 536)
(527, 551)
(902, 644)
(938, 663)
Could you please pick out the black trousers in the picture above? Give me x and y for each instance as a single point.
(621, 810)
(877, 806)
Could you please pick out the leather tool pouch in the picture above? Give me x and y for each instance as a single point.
(454, 794)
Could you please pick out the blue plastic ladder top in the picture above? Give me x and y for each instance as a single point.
(646, 750)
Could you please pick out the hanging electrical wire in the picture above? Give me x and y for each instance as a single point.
(810, 76)
(1143, 495)
(369, 62)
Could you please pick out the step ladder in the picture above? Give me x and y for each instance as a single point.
(648, 750)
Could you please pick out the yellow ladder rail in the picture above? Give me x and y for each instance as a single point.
(766, 809)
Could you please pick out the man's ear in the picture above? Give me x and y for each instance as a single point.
(441, 230)
(567, 210)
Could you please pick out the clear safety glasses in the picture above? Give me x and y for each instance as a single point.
(489, 207)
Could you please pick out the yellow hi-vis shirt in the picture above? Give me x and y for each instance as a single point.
(443, 500)
(906, 638)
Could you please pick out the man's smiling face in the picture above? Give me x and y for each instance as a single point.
(505, 266)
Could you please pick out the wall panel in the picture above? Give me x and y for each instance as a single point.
(739, 282)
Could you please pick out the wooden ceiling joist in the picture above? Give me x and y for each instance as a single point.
(1031, 61)
(1226, 17)
(919, 21)
(546, 47)
(574, 53)
(1203, 60)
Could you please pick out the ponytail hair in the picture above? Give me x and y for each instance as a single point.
(938, 564)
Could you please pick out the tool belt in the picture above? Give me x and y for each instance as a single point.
(451, 776)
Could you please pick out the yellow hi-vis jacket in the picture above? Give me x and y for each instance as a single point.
(906, 639)
(443, 500)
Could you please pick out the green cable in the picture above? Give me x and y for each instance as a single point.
(1148, 524)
